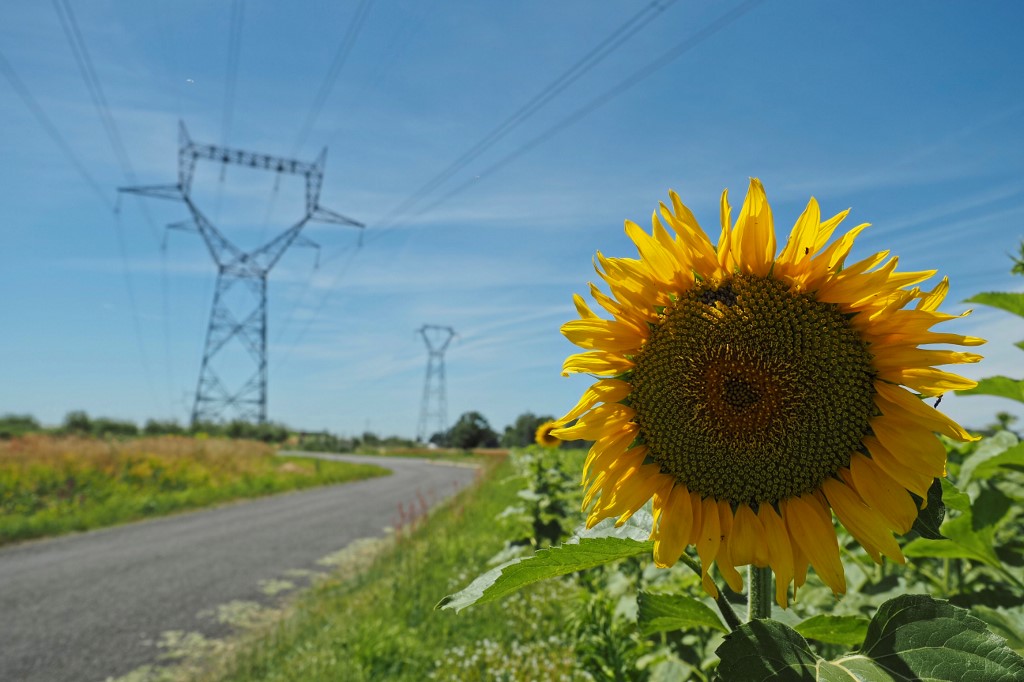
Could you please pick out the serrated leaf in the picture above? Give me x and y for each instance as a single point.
(768, 650)
(546, 563)
(1011, 459)
(1003, 387)
(668, 612)
(1010, 301)
(930, 518)
(1007, 623)
(912, 637)
(845, 630)
(923, 638)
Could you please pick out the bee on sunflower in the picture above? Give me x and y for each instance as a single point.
(751, 394)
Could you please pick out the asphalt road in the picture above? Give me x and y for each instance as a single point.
(86, 607)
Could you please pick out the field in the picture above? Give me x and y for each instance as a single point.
(51, 485)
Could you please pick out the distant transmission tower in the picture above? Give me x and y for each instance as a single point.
(239, 308)
(435, 403)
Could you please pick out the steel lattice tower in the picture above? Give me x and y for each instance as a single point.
(239, 310)
(437, 340)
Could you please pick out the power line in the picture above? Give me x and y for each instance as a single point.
(585, 64)
(622, 86)
(344, 48)
(44, 122)
(637, 76)
(234, 51)
(76, 41)
(320, 306)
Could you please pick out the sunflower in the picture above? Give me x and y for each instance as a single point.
(543, 436)
(752, 395)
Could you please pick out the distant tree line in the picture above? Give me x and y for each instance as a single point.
(79, 423)
(470, 431)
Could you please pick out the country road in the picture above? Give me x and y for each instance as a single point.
(87, 607)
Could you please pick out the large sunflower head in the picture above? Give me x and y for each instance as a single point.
(751, 393)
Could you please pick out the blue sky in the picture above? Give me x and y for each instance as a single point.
(910, 113)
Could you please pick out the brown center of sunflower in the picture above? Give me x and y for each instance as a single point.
(749, 392)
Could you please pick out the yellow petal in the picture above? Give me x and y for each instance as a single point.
(724, 561)
(753, 238)
(674, 527)
(725, 259)
(633, 489)
(916, 447)
(607, 479)
(827, 228)
(596, 362)
(780, 552)
(883, 494)
(747, 542)
(582, 308)
(709, 542)
(865, 524)
(927, 381)
(919, 357)
(607, 449)
(931, 300)
(604, 391)
(895, 401)
(598, 334)
(803, 238)
(810, 526)
(652, 254)
(913, 480)
(603, 420)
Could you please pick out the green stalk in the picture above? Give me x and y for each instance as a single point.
(731, 619)
(759, 597)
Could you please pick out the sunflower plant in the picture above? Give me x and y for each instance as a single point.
(774, 409)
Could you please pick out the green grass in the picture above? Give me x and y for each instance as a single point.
(50, 486)
(382, 625)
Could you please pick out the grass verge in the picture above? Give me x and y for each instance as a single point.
(50, 486)
(381, 624)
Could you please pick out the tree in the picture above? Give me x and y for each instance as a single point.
(78, 422)
(523, 432)
(472, 431)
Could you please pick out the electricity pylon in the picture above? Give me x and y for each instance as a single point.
(239, 310)
(437, 340)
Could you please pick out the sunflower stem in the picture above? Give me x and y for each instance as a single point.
(731, 619)
(759, 597)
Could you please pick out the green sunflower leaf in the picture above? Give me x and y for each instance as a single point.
(1011, 302)
(1010, 459)
(930, 518)
(845, 630)
(766, 650)
(920, 637)
(668, 612)
(1007, 623)
(546, 563)
(987, 449)
(912, 637)
(1003, 387)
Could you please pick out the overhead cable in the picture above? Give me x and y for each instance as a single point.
(608, 95)
(344, 48)
(595, 56)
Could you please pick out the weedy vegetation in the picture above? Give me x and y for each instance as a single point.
(51, 485)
